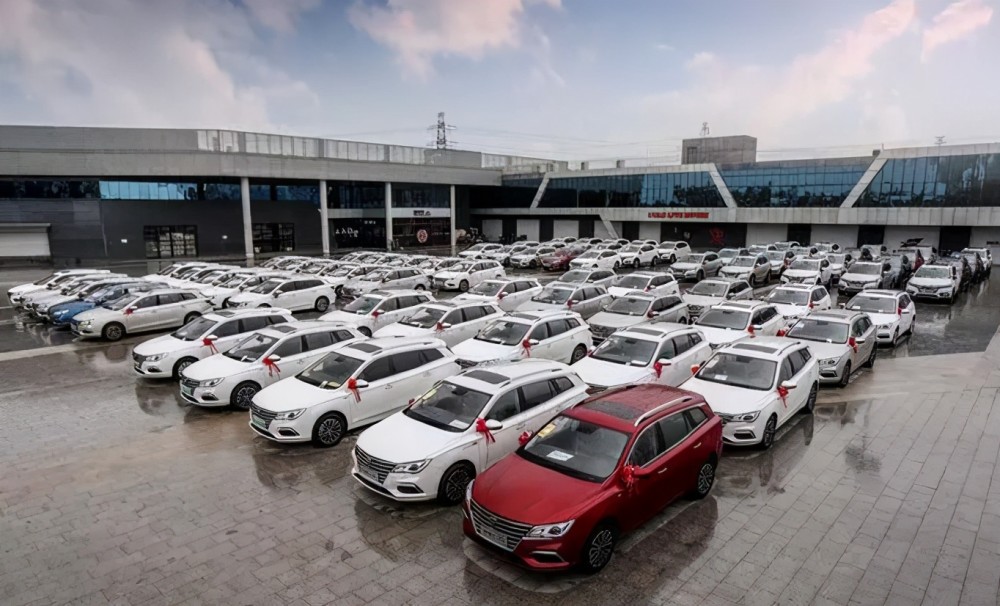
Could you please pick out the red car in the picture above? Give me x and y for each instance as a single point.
(560, 259)
(599, 469)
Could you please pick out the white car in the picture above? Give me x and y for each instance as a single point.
(378, 309)
(294, 294)
(728, 254)
(436, 264)
(35, 303)
(671, 251)
(796, 300)
(598, 277)
(636, 308)
(756, 387)
(597, 259)
(402, 278)
(755, 269)
(713, 291)
(206, 276)
(52, 282)
(559, 335)
(507, 294)
(941, 282)
(480, 251)
(639, 254)
(354, 385)
(781, 259)
(463, 276)
(531, 257)
(892, 311)
(503, 255)
(735, 320)
(696, 266)
(584, 299)
(460, 427)
(264, 357)
(654, 353)
(647, 281)
(139, 312)
(865, 275)
(808, 271)
(843, 342)
(220, 294)
(215, 332)
(450, 321)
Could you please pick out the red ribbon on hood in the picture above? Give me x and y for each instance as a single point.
(783, 394)
(526, 344)
(658, 369)
(628, 476)
(352, 386)
(483, 429)
(210, 344)
(272, 367)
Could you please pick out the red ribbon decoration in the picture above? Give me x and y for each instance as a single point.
(649, 314)
(783, 394)
(128, 311)
(210, 344)
(782, 332)
(272, 367)
(352, 386)
(376, 313)
(750, 329)
(695, 368)
(526, 344)
(811, 305)
(899, 311)
(658, 368)
(439, 327)
(569, 304)
(483, 429)
(645, 289)
(853, 343)
(628, 476)
(524, 438)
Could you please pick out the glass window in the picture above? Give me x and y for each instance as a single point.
(289, 347)
(318, 340)
(377, 369)
(170, 241)
(227, 329)
(407, 361)
(534, 394)
(505, 407)
(696, 417)
(256, 323)
(647, 447)
(673, 429)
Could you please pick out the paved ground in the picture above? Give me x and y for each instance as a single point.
(114, 491)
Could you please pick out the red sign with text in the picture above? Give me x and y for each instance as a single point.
(678, 215)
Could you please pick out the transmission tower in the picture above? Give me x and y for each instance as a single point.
(939, 140)
(705, 130)
(442, 128)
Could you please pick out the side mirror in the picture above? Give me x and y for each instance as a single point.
(907, 311)
(501, 295)
(493, 424)
(653, 314)
(360, 384)
(274, 358)
(757, 327)
(664, 362)
(642, 472)
(789, 384)
(843, 305)
(533, 341)
(276, 293)
(860, 340)
(131, 309)
(212, 338)
(445, 325)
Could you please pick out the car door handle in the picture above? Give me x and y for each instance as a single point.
(696, 446)
(664, 470)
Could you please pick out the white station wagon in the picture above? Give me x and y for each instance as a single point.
(450, 321)
(736, 320)
(584, 299)
(140, 312)
(637, 308)
(403, 278)
(466, 274)
(378, 309)
(355, 385)
(560, 335)
(460, 427)
(507, 294)
(294, 294)
(652, 282)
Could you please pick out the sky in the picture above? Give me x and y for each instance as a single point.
(565, 79)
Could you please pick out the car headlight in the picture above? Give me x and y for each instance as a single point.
(829, 362)
(60, 313)
(210, 383)
(468, 490)
(289, 415)
(86, 324)
(155, 358)
(746, 417)
(550, 530)
(412, 467)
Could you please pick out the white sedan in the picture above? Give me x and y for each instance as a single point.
(294, 294)
(463, 276)
(378, 309)
(508, 294)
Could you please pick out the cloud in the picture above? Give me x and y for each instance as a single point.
(955, 22)
(279, 15)
(663, 47)
(418, 31)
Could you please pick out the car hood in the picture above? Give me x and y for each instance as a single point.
(686, 266)
(849, 277)
(930, 282)
(26, 288)
(344, 316)
(702, 300)
(802, 273)
(400, 439)
(628, 254)
(519, 490)
(73, 306)
(609, 374)
(56, 300)
(98, 313)
(791, 311)
(823, 350)
(216, 366)
(482, 351)
(471, 297)
(364, 285)
(883, 319)
(248, 296)
(584, 262)
(165, 344)
(292, 394)
(216, 290)
(448, 275)
(729, 270)
(538, 306)
(621, 291)
(402, 330)
(611, 320)
(729, 399)
(717, 336)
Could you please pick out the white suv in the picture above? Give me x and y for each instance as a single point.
(584, 299)
(356, 385)
(842, 341)
(892, 311)
(507, 294)
(378, 309)
(466, 274)
(560, 335)
(756, 387)
(713, 291)
(294, 294)
(935, 282)
(652, 353)
(808, 271)
(461, 427)
(736, 320)
(403, 278)
(140, 312)
(597, 259)
(796, 300)
(671, 251)
(215, 332)
(450, 321)
(639, 254)
(657, 283)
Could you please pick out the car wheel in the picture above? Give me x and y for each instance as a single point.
(463, 285)
(578, 353)
(329, 430)
(225, 303)
(895, 337)
(419, 287)
(673, 259)
(365, 331)
(454, 482)
(191, 316)
(181, 365)
(243, 395)
(770, 428)
(844, 380)
(682, 320)
(322, 304)
(533, 264)
(652, 262)
(114, 331)
(870, 363)
(706, 479)
(599, 548)
(811, 400)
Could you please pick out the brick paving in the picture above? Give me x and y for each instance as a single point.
(115, 492)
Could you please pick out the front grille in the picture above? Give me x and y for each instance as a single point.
(465, 363)
(186, 382)
(267, 415)
(725, 418)
(507, 531)
(375, 467)
(137, 358)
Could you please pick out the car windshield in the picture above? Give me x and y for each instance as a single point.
(461, 267)
(378, 274)
(806, 264)
(576, 448)
(425, 318)
(550, 294)
(343, 271)
(866, 269)
(590, 254)
(234, 281)
(363, 305)
(743, 262)
(876, 305)
(184, 274)
(121, 303)
(102, 293)
(632, 248)
(449, 407)
(548, 250)
(622, 349)
(265, 288)
(933, 272)
(728, 253)
(708, 289)
(330, 371)
(207, 277)
(668, 244)
(251, 348)
(193, 329)
(488, 288)
(629, 306)
(633, 282)
(836, 258)
(787, 296)
(725, 318)
(813, 329)
(576, 276)
(503, 332)
(697, 258)
(739, 371)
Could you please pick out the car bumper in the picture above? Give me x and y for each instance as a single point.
(831, 375)
(884, 336)
(160, 369)
(936, 296)
(741, 433)
(280, 431)
(90, 332)
(533, 554)
(401, 486)
(208, 397)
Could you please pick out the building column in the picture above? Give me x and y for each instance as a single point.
(324, 217)
(451, 216)
(388, 215)
(247, 220)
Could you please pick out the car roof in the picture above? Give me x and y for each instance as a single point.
(397, 293)
(763, 347)
(741, 305)
(656, 331)
(239, 312)
(539, 314)
(370, 348)
(627, 408)
(802, 287)
(301, 326)
(881, 293)
(163, 291)
(497, 375)
(840, 315)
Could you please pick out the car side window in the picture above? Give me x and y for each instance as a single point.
(429, 355)
(253, 323)
(904, 301)
(572, 323)
(667, 350)
(169, 298)
(561, 384)
(540, 332)
(377, 370)
(857, 329)
(795, 360)
(534, 394)
(186, 296)
(695, 417)
(144, 302)
(647, 447)
(674, 429)
(317, 340)
(472, 313)
(818, 294)
(341, 335)
(271, 320)
(786, 371)
(453, 317)
(504, 408)
(290, 347)
(389, 304)
(407, 361)
(681, 344)
(227, 329)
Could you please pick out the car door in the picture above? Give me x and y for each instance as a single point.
(284, 296)
(171, 310)
(377, 396)
(308, 291)
(140, 315)
(673, 309)
(647, 494)
(294, 355)
(389, 313)
(820, 298)
(907, 313)
(770, 321)
(762, 268)
(712, 263)
(545, 346)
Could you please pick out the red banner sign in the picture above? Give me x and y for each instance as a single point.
(678, 215)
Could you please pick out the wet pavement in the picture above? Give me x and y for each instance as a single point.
(115, 491)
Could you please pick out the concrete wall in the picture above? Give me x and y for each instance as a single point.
(765, 233)
(600, 231)
(845, 235)
(895, 234)
(649, 230)
(618, 228)
(492, 229)
(562, 228)
(528, 227)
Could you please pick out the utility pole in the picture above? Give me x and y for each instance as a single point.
(442, 128)
(705, 130)
(939, 140)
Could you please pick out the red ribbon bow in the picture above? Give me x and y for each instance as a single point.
(483, 429)
(524, 438)
(750, 329)
(853, 343)
(695, 368)
(658, 369)
(210, 344)
(628, 475)
(783, 394)
(272, 367)
(569, 304)
(782, 332)
(128, 311)
(899, 311)
(438, 327)
(811, 305)
(352, 386)
(526, 344)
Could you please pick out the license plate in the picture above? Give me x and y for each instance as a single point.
(259, 422)
(368, 473)
(493, 537)
(188, 391)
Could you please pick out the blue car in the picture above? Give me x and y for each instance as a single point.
(62, 313)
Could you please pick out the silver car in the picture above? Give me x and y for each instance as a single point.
(140, 312)
(599, 277)
(755, 269)
(584, 299)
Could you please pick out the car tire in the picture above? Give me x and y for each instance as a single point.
(339, 290)
(181, 364)
(454, 482)
(329, 430)
(225, 303)
(365, 331)
(652, 262)
(870, 362)
(846, 379)
(191, 316)
(243, 395)
(533, 264)
(463, 286)
(811, 400)
(598, 548)
(770, 428)
(705, 480)
(114, 331)
(578, 354)
(322, 304)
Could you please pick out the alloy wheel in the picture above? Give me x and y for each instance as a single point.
(456, 483)
(244, 396)
(599, 551)
(706, 477)
(768, 438)
(330, 431)
(113, 332)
